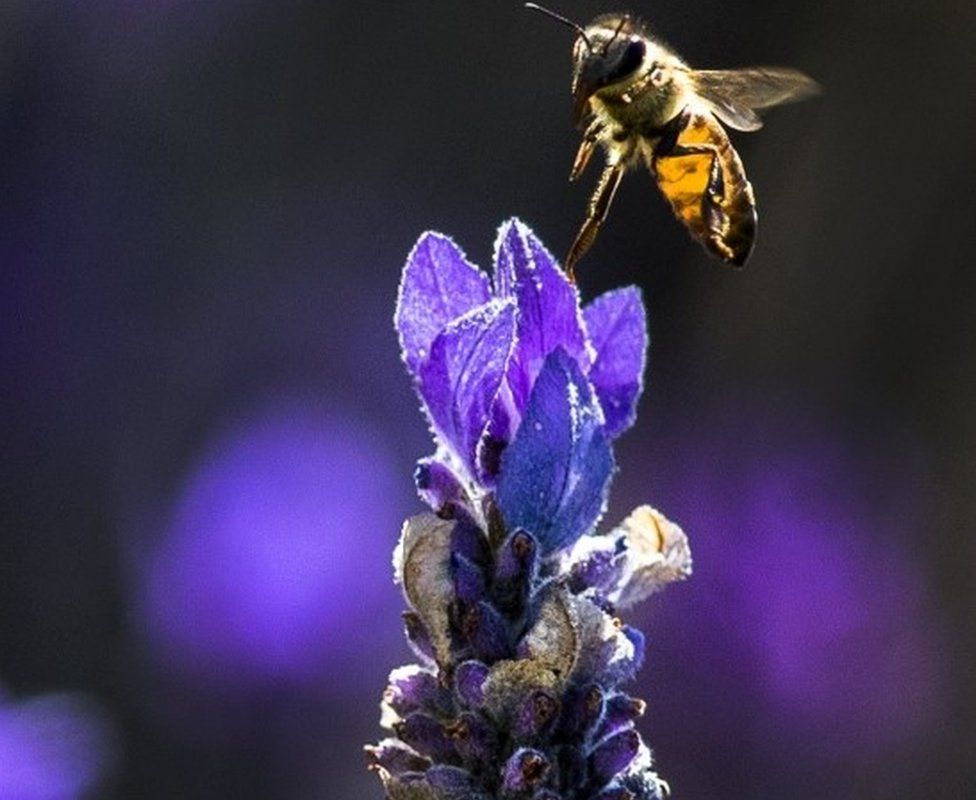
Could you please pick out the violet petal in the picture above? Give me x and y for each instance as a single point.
(556, 473)
(469, 678)
(437, 484)
(396, 757)
(412, 687)
(617, 327)
(613, 756)
(469, 580)
(438, 285)
(525, 770)
(515, 571)
(548, 305)
(621, 712)
(475, 740)
(451, 782)
(487, 632)
(535, 716)
(461, 377)
(427, 736)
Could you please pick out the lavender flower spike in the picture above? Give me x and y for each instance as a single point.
(513, 595)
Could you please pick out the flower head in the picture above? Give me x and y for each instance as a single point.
(514, 375)
(512, 596)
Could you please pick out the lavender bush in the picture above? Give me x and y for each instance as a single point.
(513, 596)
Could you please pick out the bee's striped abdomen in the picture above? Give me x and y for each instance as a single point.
(703, 179)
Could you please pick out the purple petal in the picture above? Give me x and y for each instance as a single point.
(395, 757)
(487, 632)
(410, 688)
(620, 714)
(616, 323)
(461, 378)
(524, 771)
(596, 564)
(470, 541)
(451, 780)
(556, 473)
(438, 285)
(469, 678)
(469, 580)
(437, 484)
(515, 571)
(613, 756)
(535, 716)
(426, 735)
(548, 304)
(475, 740)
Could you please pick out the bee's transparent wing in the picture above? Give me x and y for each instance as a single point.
(734, 95)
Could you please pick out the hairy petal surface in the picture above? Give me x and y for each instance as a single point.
(556, 473)
(460, 380)
(548, 306)
(439, 285)
(617, 327)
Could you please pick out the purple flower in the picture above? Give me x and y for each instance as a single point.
(512, 596)
(512, 375)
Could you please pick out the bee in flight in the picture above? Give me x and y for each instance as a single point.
(633, 96)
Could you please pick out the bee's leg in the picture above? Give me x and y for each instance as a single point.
(596, 213)
(586, 149)
(590, 137)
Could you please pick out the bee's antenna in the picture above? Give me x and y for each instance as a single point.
(623, 21)
(559, 18)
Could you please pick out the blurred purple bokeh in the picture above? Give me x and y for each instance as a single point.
(810, 617)
(268, 568)
(52, 747)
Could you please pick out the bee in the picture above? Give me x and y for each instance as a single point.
(633, 96)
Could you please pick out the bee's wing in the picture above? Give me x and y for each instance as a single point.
(734, 95)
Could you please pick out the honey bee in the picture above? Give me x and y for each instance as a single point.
(637, 99)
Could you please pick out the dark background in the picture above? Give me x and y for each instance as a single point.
(208, 438)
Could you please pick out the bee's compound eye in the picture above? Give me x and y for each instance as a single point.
(632, 58)
(624, 61)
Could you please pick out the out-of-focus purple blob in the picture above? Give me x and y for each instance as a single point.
(837, 606)
(55, 747)
(262, 573)
(812, 609)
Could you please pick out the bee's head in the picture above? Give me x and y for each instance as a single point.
(609, 50)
